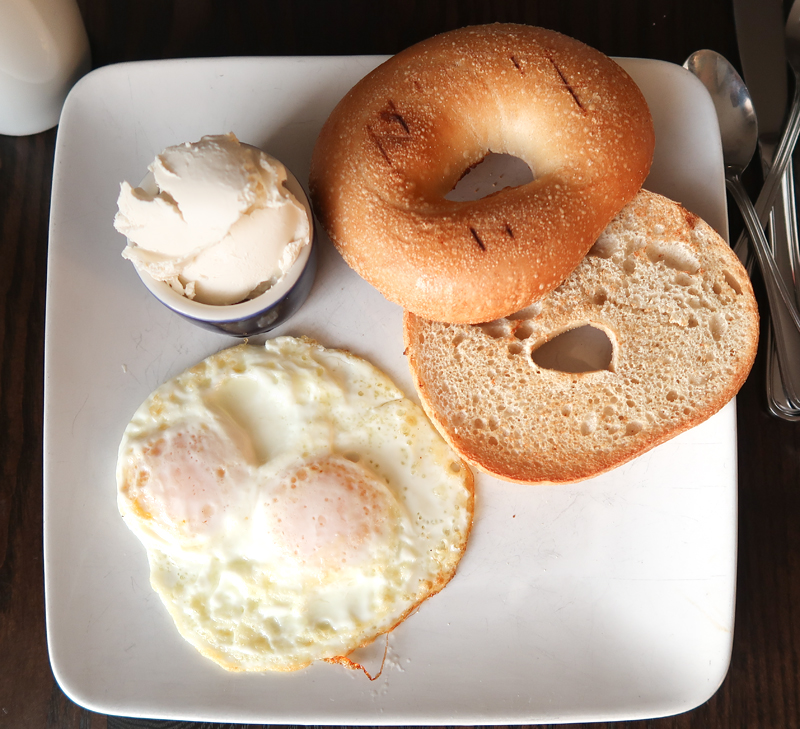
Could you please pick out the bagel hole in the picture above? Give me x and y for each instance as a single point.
(584, 348)
(492, 174)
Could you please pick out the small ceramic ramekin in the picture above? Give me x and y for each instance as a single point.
(261, 313)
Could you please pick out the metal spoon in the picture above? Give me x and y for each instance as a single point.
(739, 133)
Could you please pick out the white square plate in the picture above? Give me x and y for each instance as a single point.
(610, 599)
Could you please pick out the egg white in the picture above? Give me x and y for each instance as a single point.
(293, 503)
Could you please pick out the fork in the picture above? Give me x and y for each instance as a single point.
(779, 404)
(780, 176)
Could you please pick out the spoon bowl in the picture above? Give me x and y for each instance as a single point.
(738, 125)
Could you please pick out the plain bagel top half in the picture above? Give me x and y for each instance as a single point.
(401, 139)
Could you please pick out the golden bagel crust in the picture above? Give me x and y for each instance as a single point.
(401, 139)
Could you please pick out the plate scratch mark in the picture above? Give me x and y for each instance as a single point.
(80, 410)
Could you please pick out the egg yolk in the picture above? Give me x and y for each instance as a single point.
(330, 514)
(184, 480)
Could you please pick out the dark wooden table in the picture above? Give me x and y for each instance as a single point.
(763, 684)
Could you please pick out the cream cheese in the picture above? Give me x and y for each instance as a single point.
(217, 223)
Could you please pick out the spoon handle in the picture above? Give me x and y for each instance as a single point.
(779, 297)
(783, 352)
(785, 318)
(777, 400)
(791, 248)
(784, 247)
(780, 160)
(783, 153)
(785, 388)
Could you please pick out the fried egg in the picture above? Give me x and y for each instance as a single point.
(294, 505)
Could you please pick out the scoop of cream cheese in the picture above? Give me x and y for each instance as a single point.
(219, 224)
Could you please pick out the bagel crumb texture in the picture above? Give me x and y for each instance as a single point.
(676, 308)
(400, 140)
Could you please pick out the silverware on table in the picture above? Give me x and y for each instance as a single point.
(739, 135)
(764, 43)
